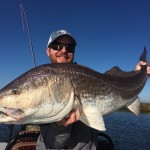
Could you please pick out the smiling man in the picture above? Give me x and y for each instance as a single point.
(69, 133)
(61, 47)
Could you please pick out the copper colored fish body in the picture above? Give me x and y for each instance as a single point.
(49, 92)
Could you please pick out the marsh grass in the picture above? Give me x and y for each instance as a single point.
(144, 108)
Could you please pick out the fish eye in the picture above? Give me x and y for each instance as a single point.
(15, 92)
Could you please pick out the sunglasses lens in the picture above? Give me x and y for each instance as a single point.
(56, 47)
(59, 47)
(70, 48)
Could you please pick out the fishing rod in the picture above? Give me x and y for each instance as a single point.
(22, 11)
(28, 30)
(32, 52)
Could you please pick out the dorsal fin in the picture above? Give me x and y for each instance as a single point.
(113, 71)
(116, 71)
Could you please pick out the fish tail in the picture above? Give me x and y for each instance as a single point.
(143, 55)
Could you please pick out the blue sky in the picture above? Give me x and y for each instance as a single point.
(108, 32)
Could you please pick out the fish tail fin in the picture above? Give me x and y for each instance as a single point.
(143, 56)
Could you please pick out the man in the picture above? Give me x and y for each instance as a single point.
(68, 133)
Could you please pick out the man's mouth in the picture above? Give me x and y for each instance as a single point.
(63, 56)
(62, 59)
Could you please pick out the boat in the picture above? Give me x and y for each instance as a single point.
(26, 140)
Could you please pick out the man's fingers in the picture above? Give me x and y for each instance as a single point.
(72, 117)
(138, 66)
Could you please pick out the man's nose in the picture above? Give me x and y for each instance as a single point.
(63, 49)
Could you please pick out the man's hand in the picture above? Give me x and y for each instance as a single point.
(72, 117)
(141, 63)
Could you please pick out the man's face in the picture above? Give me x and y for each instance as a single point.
(61, 50)
(60, 56)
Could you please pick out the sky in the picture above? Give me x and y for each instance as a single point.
(108, 33)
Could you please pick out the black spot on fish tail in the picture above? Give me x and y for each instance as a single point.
(143, 55)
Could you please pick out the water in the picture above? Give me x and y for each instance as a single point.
(127, 131)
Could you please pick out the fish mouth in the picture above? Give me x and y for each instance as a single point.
(11, 114)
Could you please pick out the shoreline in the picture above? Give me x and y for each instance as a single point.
(144, 108)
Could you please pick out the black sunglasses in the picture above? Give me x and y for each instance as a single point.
(59, 46)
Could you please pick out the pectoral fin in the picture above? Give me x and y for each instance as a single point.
(93, 118)
(135, 106)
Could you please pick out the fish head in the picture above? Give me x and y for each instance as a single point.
(20, 95)
(18, 92)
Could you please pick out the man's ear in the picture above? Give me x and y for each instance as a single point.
(48, 51)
